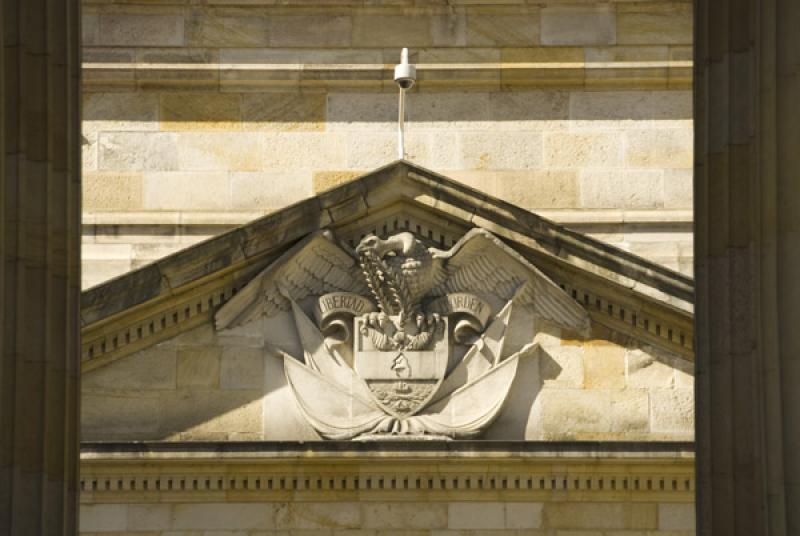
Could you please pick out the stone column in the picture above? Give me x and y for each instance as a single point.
(747, 252)
(39, 273)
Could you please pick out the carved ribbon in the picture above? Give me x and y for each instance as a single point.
(334, 313)
(469, 312)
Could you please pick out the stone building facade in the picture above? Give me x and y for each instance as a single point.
(202, 116)
(746, 299)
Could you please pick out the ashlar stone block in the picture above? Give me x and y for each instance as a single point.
(502, 150)
(200, 111)
(406, 515)
(198, 366)
(669, 28)
(284, 111)
(622, 188)
(242, 368)
(222, 151)
(140, 29)
(578, 25)
(224, 516)
(493, 29)
(672, 410)
(112, 190)
(317, 515)
(187, 191)
(539, 189)
(676, 517)
(233, 29)
(137, 151)
(659, 148)
(583, 149)
(268, 190)
(604, 366)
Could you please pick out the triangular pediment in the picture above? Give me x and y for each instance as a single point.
(618, 290)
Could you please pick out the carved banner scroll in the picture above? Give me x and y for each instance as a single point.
(468, 312)
(334, 313)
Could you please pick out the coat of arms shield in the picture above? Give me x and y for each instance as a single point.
(402, 381)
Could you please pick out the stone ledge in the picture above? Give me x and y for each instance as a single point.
(230, 76)
(429, 471)
(372, 450)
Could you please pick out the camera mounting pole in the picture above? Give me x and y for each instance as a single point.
(405, 76)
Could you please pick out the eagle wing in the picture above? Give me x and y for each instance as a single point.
(481, 264)
(317, 265)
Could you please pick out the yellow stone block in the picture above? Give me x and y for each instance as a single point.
(604, 366)
(200, 111)
(672, 28)
(111, 190)
(284, 111)
(325, 180)
(539, 189)
(198, 366)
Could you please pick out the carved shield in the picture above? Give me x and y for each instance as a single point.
(402, 381)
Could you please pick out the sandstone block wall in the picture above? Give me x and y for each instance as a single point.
(205, 385)
(379, 518)
(200, 117)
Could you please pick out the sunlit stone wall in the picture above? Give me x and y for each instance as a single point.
(201, 117)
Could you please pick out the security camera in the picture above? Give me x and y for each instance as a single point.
(405, 75)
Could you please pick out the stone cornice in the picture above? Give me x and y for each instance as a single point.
(674, 74)
(166, 472)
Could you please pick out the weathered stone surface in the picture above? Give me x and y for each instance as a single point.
(412, 515)
(242, 368)
(187, 190)
(233, 29)
(539, 189)
(672, 410)
(138, 151)
(143, 517)
(599, 516)
(325, 180)
(227, 516)
(659, 148)
(502, 150)
(134, 29)
(268, 190)
(582, 149)
(476, 516)
(678, 188)
(152, 369)
(103, 517)
(218, 151)
(208, 414)
(644, 370)
(120, 111)
(604, 366)
(338, 516)
(133, 414)
(293, 31)
(672, 28)
(108, 190)
(676, 517)
(200, 111)
(412, 30)
(198, 366)
(578, 25)
(622, 189)
(631, 105)
(284, 111)
(485, 28)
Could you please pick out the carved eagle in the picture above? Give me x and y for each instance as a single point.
(400, 272)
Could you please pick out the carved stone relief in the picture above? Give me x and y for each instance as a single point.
(400, 340)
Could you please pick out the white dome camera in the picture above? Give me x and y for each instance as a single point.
(405, 75)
